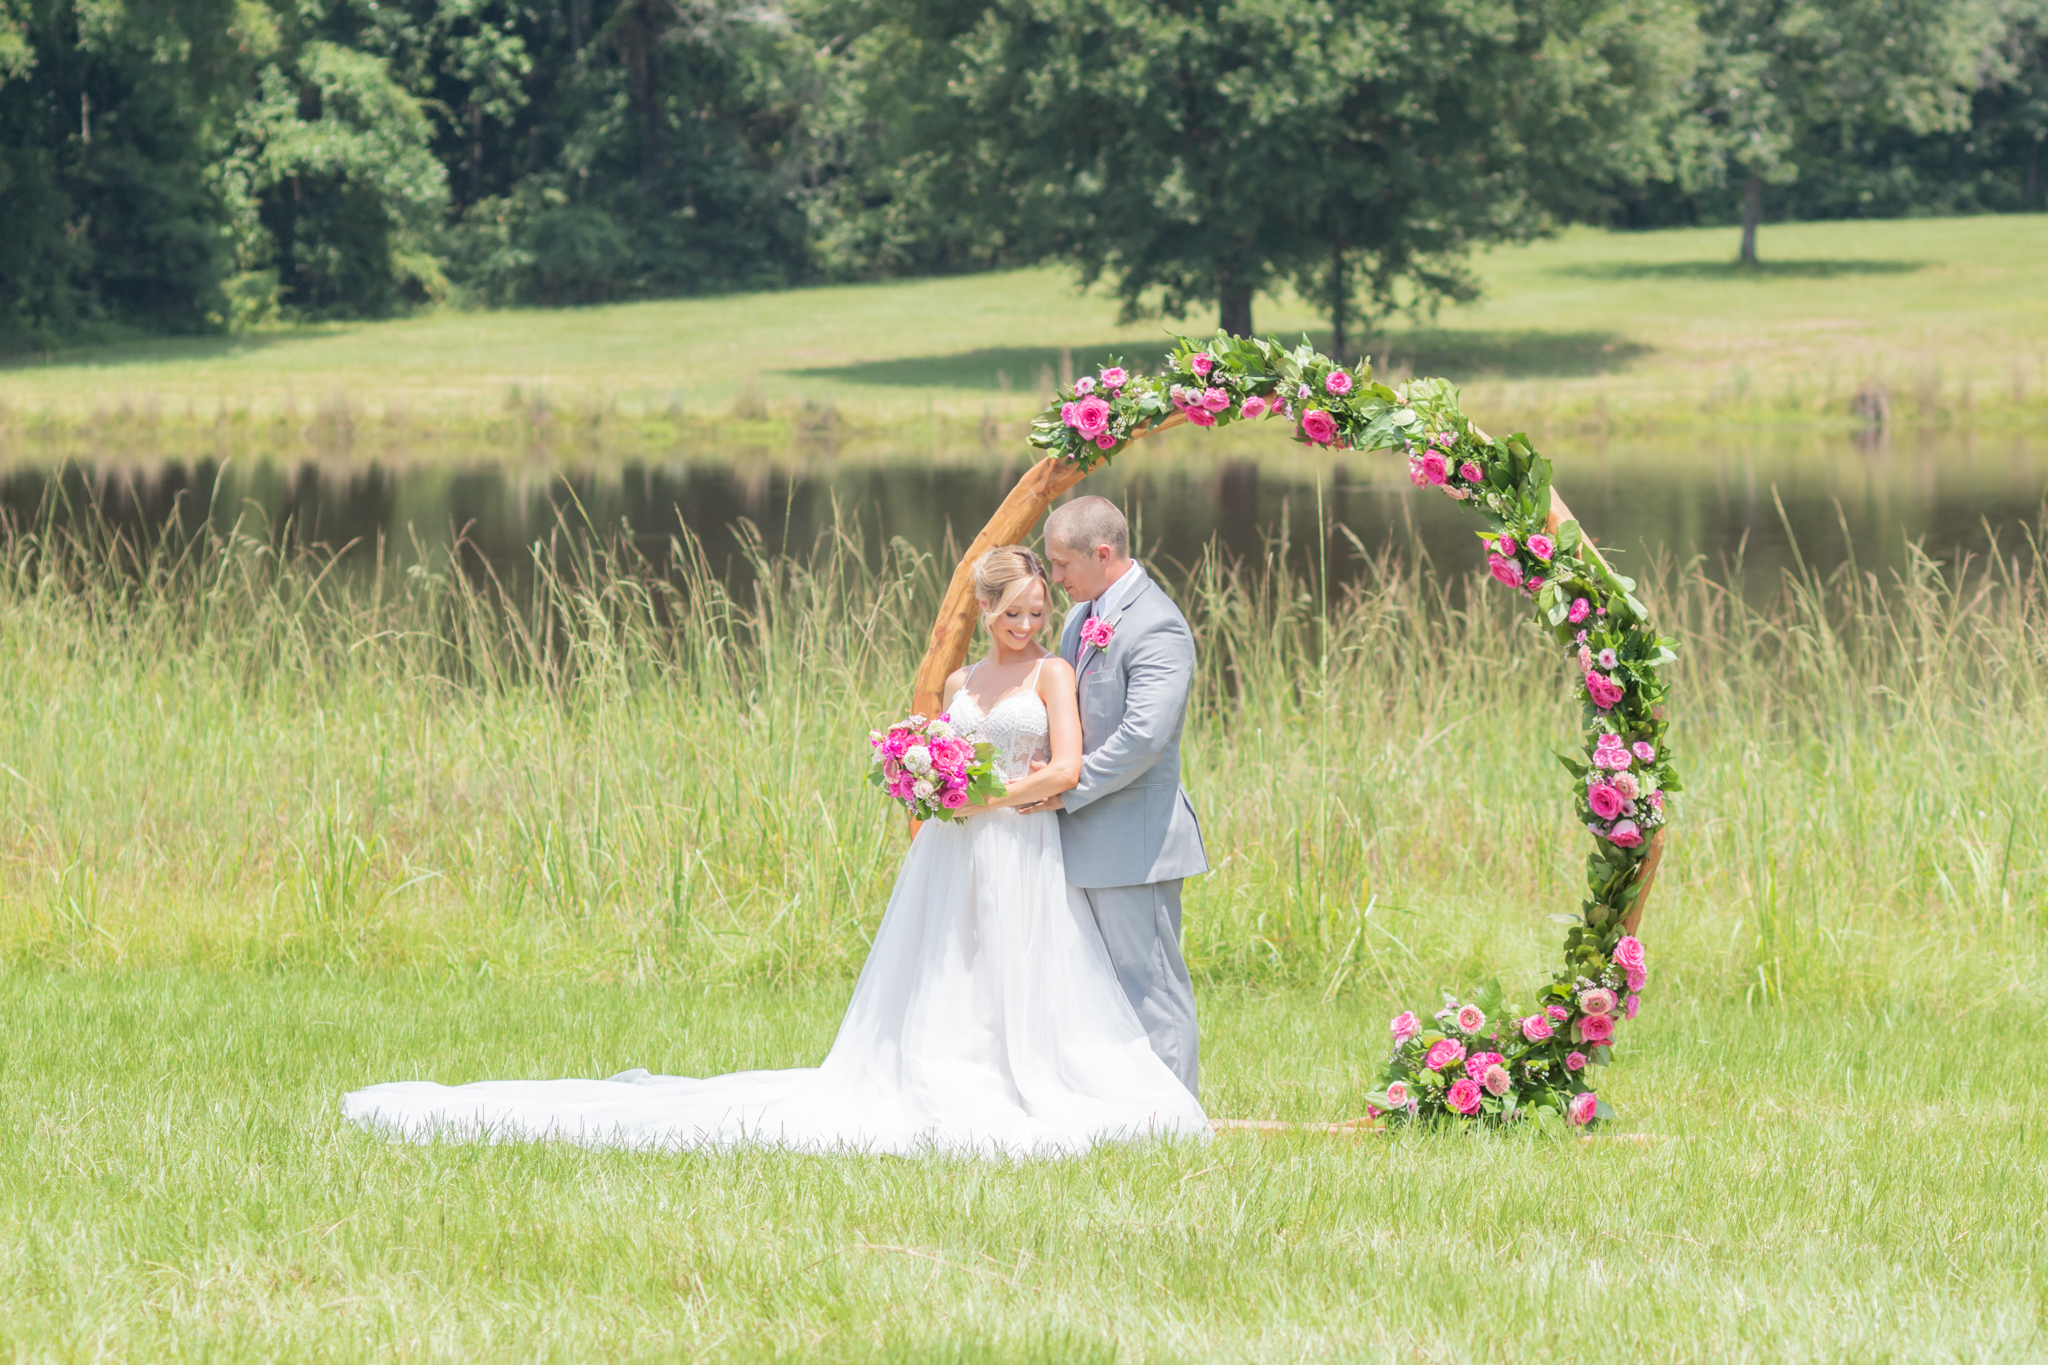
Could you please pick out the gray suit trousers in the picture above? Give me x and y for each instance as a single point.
(1141, 926)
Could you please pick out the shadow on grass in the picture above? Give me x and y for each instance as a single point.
(1735, 270)
(993, 367)
(156, 350)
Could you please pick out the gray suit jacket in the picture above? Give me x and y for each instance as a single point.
(1128, 821)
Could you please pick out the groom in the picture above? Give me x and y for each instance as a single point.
(1127, 828)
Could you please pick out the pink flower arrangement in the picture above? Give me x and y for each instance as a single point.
(1583, 1106)
(1444, 1052)
(1434, 469)
(1504, 570)
(1215, 400)
(1471, 1018)
(1463, 1096)
(1536, 1028)
(1605, 800)
(931, 768)
(1319, 426)
(1405, 1026)
(1201, 362)
(1338, 384)
(1097, 632)
(1476, 1064)
(1091, 416)
(1604, 691)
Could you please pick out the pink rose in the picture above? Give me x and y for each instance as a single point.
(1495, 1080)
(1201, 417)
(1542, 547)
(1505, 570)
(1443, 1053)
(954, 798)
(1599, 1000)
(1628, 951)
(1405, 1026)
(1536, 1028)
(1434, 470)
(1604, 757)
(1114, 377)
(1629, 1006)
(1254, 406)
(1609, 740)
(1471, 1018)
(1471, 473)
(1580, 610)
(1575, 1061)
(1339, 383)
(1318, 426)
(1085, 384)
(1201, 362)
(1097, 632)
(1415, 474)
(1105, 442)
(1215, 400)
(1582, 1108)
(1476, 1064)
(1596, 1028)
(1067, 413)
(1464, 1096)
(1557, 1013)
(1625, 834)
(1507, 545)
(1644, 751)
(1397, 1094)
(1532, 585)
(1604, 691)
(1605, 800)
(1638, 977)
(1091, 416)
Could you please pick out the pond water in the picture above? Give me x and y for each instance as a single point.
(1747, 510)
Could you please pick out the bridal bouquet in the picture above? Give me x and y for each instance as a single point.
(932, 768)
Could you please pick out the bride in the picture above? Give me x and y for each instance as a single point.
(988, 1018)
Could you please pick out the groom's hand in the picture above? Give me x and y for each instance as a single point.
(1049, 803)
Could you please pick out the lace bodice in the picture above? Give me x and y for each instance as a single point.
(1016, 725)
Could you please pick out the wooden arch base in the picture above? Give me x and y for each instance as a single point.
(1034, 494)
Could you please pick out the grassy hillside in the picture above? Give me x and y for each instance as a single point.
(1948, 316)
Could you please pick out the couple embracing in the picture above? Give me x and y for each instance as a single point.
(1025, 993)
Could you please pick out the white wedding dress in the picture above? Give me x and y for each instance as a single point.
(987, 1020)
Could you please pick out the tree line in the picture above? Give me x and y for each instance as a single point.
(213, 164)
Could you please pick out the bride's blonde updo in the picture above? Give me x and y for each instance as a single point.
(1002, 575)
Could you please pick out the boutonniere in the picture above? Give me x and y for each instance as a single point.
(1097, 632)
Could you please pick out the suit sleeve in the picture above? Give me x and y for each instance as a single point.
(1160, 668)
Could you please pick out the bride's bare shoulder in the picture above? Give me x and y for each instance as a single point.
(1055, 675)
(956, 680)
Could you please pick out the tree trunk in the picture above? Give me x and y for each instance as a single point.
(1236, 311)
(1340, 295)
(1752, 213)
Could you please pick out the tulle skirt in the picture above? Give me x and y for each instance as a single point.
(987, 1020)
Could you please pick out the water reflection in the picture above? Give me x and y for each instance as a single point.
(1723, 505)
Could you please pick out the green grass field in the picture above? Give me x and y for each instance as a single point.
(266, 836)
(1948, 316)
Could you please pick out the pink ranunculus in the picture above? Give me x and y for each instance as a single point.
(1605, 800)
(1201, 417)
(1597, 1028)
(1405, 1026)
(1434, 469)
(1631, 1005)
(1580, 610)
(1443, 1053)
(1318, 426)
(1495, 1079)
(1582, 1108)
(1625, 834)
(1646, 752)
(1254, 406)
(1626, 784)
(1558, 1013)
(1610, 759)
(1542, 547)
(1598, 1000)
(1629, 952)
(1604, 691)
(1638, 977)
(1105, 442)
(1471, 473)
(1471, 1018)
(1067, 413)
(954, 798)
(1463, 1096)
(1091, 417)
(1477, 1063)
(1085, 384)
(1397, 1094)
(1609, 740)
(1215, 400)
(900, 788)
(1114, 377)
(1339, 383)
(1536, 1028)
(1575, 1061)
(1507, 545)
(1505, 570)
(1201, 362)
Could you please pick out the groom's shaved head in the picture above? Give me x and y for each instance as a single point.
(1085, 523)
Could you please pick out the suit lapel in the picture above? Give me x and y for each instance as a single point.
(1137, 590)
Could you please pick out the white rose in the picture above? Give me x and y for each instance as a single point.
(922, 789)
(918, 759)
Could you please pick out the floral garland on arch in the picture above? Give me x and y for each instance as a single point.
(1487, 1058)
